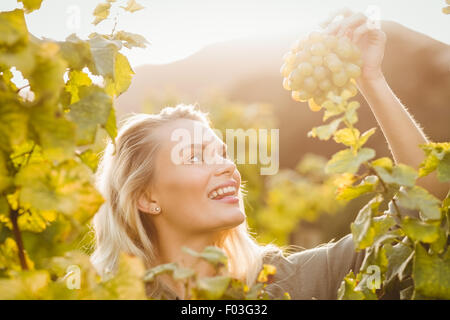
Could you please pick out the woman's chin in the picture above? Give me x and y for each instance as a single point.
(231, 218)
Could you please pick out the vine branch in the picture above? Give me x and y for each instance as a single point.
(18, 237)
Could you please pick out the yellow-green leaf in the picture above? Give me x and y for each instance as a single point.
(76, 80)
(90, 158)
(133, 6)
(13, 29)
(401, 174)
(212, 288)
(76, 52)
(31, 5)
(91, 111)
(103, 55)
(326, 131)
(365, 136)
(101, 12)
(420, 199)
(13, 122)
(131, 39)
(347, 161)
(27, 285)
(431, 274)
(65, 188)
(384, 162)
(426, 232)
(123, 73)
(347, 136)
(56, 134)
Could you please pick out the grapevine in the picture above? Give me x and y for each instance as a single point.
(404, 230)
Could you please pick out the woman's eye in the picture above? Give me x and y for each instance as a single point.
(196, 157)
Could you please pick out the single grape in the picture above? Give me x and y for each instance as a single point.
(353, 70)
(320, 73)
(333, 62)
(315, 37)
(289, 57)
(286, 84)
(335, 65)
(305, 69)
(325, 85)
(286, 69)
(330, 41)
(302, 56)
(313, 105)
(344, 48)
(316, 60)
(319, 99)
(340, 78)
(296, 75)
(297, 85)
(310, 84)
(318, 49)
(300, 95)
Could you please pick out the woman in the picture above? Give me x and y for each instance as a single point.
(155, 206)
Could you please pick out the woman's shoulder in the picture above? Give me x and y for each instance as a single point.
(317, 272)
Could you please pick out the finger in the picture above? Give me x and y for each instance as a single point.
(351, 22)
(365, 30)
(360, 32)
(345, 12)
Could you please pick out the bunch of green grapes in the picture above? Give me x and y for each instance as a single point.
(319, 65)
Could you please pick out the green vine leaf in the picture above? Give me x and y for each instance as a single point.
(347, 161)
(418, 198)
(426, 232)
(122, 77)
(65, 188)
(437, 157)
(399, 257)
(104, 53)
(13, 29)
(211, 288)
(401, 175)
(133, 6)
(363, 234)
(92, 110)
(131, 40)
(431, 274)
(31, 5)
(101, 12)
(326, 131)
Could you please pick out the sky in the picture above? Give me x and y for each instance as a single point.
(179, 28)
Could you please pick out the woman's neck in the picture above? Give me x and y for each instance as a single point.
(171, 251)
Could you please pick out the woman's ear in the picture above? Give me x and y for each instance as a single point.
(147, 205)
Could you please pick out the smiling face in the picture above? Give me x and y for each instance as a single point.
(187, 190)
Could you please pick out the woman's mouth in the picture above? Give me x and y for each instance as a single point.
(224, 194)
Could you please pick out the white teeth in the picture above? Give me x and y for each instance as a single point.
(221, 191)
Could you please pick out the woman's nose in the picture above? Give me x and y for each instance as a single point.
(226, 166)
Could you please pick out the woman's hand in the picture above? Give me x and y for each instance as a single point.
(370, 39)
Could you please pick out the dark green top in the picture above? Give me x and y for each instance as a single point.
(315, 273)
(309, 274)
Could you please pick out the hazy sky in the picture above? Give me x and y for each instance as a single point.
(178, 28)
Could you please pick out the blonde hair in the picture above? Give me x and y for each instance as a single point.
(125, 170)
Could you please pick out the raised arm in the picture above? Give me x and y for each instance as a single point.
(402, 133)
